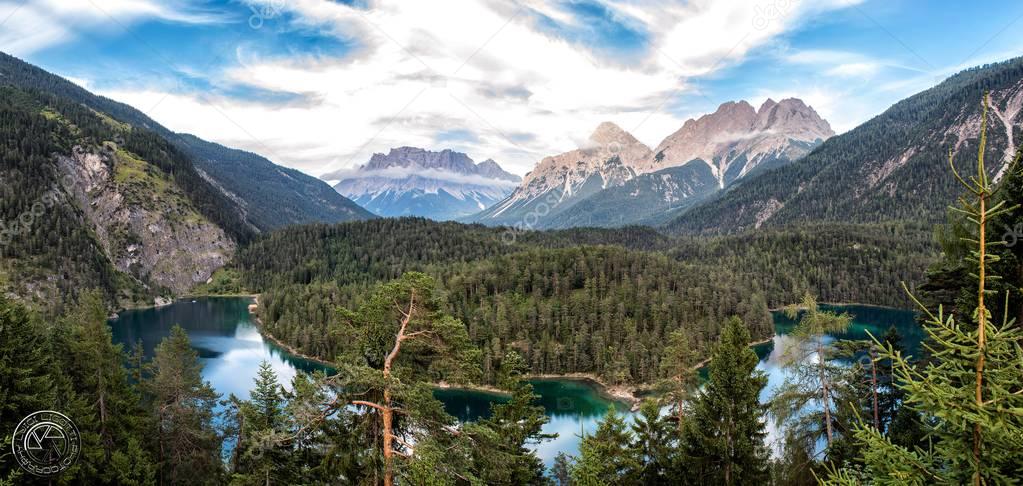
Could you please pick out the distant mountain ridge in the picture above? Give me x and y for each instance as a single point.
(616, 180)
(411, 181)
(891, 168)
(270, 196)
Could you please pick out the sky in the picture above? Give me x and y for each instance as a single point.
(321, 85)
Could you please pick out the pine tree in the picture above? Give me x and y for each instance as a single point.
(654, 444)
(678, 369)
(25, 384)
(724, 439)
(94, 375)
(606, 458)
(188, 444)
(501, 443)
(970, 392)
(561, 470)
(261, 455)
(398, 344)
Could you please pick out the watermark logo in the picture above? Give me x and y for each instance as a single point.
(1012, 235)
(765, 14)
(265, 10)
(46, 443)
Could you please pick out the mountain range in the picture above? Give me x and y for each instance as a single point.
(410, 181)
(97, 194)
(617, 180)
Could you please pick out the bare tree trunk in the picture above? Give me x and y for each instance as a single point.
(873, 386)
(825, 389)
(387, 412)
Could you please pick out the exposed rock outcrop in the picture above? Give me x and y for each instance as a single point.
(144, 222)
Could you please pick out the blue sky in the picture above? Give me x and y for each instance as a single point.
(320, 85)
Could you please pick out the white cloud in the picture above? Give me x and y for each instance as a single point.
(32, 25)
(854, 69)
(419, 68)
(399, 173)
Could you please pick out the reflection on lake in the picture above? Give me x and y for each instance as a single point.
(231, 348)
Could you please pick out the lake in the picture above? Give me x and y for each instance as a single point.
(231, 348)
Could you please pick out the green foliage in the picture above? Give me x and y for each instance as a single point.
(723, 441)
(606, 458)
(805, 403)
(969, 391)
(188, 445)
(654, 444)
(25, 365)
(500, 444)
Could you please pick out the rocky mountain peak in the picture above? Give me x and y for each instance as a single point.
(490, 168)
(608, 132)
(411, 181)
(768, 104)
(736, 133)
(795, 118)
(417, 157)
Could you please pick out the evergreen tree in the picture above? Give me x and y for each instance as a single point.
(561, 470)
(95, 380)
(25, 384)
(654, 444)
(970, 392)
(501, 443)
(724, 439)
(679, 372)
(188, 444)
(399, 343)
(606, 458)
(261, 456)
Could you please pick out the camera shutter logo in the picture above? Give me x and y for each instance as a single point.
(46, 443)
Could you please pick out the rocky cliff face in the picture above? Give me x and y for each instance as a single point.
(145, 224)
(410, 181)
(736, 139)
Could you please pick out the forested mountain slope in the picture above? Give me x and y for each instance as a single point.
(90, 201)
(96, 194)
(252, 193)
(270, 196)
(893, 167)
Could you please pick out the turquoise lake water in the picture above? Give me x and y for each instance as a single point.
(231, 349)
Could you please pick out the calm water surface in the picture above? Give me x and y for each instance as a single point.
(231, 348)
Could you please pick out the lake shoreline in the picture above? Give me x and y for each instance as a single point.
(158, 303)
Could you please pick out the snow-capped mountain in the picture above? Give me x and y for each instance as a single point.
(616, 180)
(736, 139)
(410, 181)
(558, 182)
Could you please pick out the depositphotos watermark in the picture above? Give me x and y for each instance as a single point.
(765, 13)
(46, 443)
(264, 10)
(23, 223)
